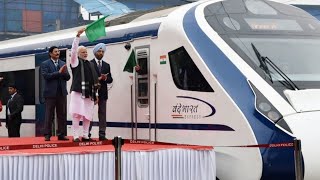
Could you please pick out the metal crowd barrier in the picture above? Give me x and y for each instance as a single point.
(117, 142)
(298, 159)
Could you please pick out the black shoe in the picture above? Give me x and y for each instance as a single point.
(63, 138)
(76, 140)
(86, 139)
(47, 138)
(102, 138)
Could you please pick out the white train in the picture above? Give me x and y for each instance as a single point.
(221, 73)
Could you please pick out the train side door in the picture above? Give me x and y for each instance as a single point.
(142, 124)
(39, 99)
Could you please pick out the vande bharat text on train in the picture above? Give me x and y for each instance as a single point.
(220, 73)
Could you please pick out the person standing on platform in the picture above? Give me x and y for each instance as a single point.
(103, 70)
(83, 89)
(14, 109)
(55, 74)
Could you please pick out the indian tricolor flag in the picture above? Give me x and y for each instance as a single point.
(163, 59)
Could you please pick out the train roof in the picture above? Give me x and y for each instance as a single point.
(124, 28)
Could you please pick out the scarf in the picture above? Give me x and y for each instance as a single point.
(89, 87)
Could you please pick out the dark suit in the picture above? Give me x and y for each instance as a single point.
(103, 96)
(13, 120)
(55, 94)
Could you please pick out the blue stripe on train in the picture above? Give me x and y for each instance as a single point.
(277, 163)
(209, 127)
(112, 37)
(28, 121)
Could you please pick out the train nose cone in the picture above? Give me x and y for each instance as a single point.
(306, 127)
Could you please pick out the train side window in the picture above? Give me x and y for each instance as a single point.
(142, 77)
(143, 63)
(24, 80)
(185, 73)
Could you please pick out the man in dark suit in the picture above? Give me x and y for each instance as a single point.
(104, 73)
(13, 112)
(56, 75)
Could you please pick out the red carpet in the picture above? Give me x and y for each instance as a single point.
(37, 145)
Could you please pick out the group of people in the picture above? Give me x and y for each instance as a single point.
(89, 87)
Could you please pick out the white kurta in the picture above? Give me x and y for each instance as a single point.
(78, 105)
(81, 106)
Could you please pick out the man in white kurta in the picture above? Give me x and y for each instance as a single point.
(81, 107)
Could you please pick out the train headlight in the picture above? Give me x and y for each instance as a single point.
(274, 116)
(264, 107)
(268, 110)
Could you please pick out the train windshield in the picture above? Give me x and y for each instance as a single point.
(297, 57)
(285, 35)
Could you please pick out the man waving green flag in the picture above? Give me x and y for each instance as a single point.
(96, 29)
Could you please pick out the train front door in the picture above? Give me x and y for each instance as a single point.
(142, 123)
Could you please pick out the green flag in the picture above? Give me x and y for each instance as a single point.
(96, 29)
(131, 63)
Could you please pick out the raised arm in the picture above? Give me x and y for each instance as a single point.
(74, 54)
(74, 50)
